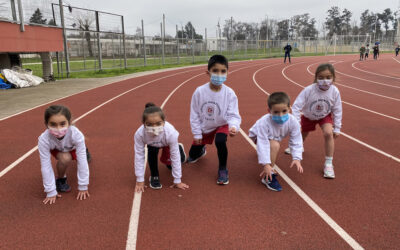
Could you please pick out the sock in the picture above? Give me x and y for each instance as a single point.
(328, 160)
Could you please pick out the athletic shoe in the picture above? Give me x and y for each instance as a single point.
(155, 182)
(182, 152)
(272, 184)
(62, 185)
(193, 160)
(88, 156)
(169, 167)
(328, 171)
(223, 177)
(287, 151)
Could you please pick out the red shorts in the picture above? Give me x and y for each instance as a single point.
(209, 137)
(55, 152)
(166, 156)
(308, 125)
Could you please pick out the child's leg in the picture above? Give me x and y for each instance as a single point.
(195, 151)
(64, 159)
(304, 135)
(327, 130)
(152, 158)
(274, 145)
(220, 143)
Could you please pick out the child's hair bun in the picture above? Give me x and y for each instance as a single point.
(149, 104)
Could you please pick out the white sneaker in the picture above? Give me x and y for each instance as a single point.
(287, 151)
(328, 171)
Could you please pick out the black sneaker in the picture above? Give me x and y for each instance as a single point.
(193, 160)
(155, 182)
(169, 167)
(62, 185)
(182, 152)
(88, 156)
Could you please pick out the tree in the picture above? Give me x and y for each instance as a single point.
(304, 26)
(282, 31)
(187, 32)
(334, 21)
(37, 17)
(346, 19)
(85, 22)
(385, 17)
(52, 22)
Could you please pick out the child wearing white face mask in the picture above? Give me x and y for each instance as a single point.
(320, 103)
(214, 113)
(66, 143)
(269, 131)
(157, 133)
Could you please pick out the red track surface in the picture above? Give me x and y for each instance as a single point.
(364, 199)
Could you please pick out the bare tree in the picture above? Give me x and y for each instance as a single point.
(85, 22)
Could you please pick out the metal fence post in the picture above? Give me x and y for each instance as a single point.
(13, 11)
(21, 15)
(144, 46)
(64, 36)
(98, 41)
(123, 42)
(177, 43)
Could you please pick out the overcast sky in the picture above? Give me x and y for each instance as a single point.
(206, 13)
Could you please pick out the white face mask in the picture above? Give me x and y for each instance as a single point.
(324, 84)
(155, 130)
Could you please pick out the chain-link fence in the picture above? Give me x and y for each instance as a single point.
(95, 40)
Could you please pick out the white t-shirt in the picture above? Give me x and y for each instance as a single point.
(169, 137)
(315, 104)
(210, 110)
(73, 139)
(265, 129)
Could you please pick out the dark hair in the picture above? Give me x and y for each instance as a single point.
(278, 98)
(151, 108)
(323, 67)
(217, 59)
(55, 110)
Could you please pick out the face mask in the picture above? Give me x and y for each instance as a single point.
(280, 119)
(324, 84)
(58, 133)
(218, 79)
(155, 130)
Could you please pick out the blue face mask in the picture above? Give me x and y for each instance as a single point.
(218, 79)
(280, 119)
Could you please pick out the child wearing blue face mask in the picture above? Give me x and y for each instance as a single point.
(214, 113)
(320, 103)
(269, 131)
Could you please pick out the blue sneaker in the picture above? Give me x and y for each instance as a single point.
(272, 184)
(223, 177)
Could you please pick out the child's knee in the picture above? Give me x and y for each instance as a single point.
(328, 133)
(64, 158)
(275, 145)
(220, 139)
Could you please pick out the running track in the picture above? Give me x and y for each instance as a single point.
(359, 209)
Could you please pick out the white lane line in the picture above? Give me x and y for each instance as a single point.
(15, 163)
(351, 104)
(373, 73)
(314, 206)
(366, 80)
(371, 93)
(395, 59)
(135, 213)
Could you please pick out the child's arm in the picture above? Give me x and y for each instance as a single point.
(176, 163)
(83, 166)
(296, 145)
(337, 115)
(298, 105)
(195, 121)
(49, 182)
(233, 116)
(139, 162)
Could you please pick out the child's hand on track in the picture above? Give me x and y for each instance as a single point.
(82, 195)
(298, 165)
(335, 135)
(140, 187)
(197, 141)
(267, 172)
(232, 131)
(181, 185)
(51, 200)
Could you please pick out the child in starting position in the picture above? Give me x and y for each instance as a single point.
(320, 103)
(214, 113)
(157, 133)
(269, 131)
(66, 143)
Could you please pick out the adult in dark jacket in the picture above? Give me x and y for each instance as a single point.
(287, 50)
